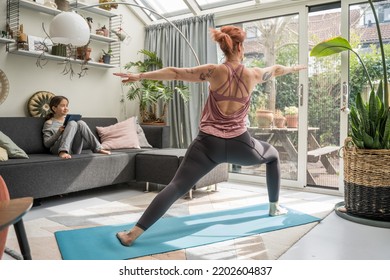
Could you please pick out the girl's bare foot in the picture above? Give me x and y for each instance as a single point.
(64, 155)
(276, 210)
(126, 238)
(104, 152)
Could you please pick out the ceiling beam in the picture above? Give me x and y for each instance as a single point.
(193, 6)
(139, 13)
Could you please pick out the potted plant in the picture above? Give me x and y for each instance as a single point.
(279, 119)
(264, 116)
(150, 93)
(106, 57)
(291, 115)
(367, 149)
(84, 53)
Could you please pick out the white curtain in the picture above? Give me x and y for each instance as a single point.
(183, 118)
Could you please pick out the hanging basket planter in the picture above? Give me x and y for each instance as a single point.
(366, 182)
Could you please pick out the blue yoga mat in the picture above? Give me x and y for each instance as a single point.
(175, 233)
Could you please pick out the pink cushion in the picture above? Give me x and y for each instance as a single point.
(121, 135)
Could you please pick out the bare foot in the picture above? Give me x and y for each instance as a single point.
(276, 210)
(64, 155)
(126, 238)
(104, 152)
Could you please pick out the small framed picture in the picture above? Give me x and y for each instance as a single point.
(39, 44)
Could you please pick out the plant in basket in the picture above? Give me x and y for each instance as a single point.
(367, 149)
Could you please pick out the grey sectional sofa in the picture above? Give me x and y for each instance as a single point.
(44, 175)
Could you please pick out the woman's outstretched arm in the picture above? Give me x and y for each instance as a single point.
(267, 73)
(194, 74)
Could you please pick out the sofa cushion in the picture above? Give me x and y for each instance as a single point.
(13, 150)
(120, 135)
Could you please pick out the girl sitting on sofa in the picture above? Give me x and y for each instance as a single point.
(66, 140)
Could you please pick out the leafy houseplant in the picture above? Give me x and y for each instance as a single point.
(366, 152)
(150, 93)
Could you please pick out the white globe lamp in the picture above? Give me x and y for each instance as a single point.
(69, 28)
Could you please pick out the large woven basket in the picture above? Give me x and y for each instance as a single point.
(367, 182)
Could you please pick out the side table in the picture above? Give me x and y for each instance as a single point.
(11, 213)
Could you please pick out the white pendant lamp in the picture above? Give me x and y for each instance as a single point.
(69, 28)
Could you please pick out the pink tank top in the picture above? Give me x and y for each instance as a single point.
(214, 121)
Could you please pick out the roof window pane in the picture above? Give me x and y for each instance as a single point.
(210, 4)
(166, 8)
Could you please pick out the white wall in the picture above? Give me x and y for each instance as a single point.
(97, 94)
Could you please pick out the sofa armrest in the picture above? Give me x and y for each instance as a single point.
(157, 135)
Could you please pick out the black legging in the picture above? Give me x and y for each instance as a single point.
(206, 152)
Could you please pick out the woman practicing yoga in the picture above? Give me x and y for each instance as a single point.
(223, 135)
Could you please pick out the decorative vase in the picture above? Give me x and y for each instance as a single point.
(292, 121)
(84, 53)
(59, 50)
(63, 5)
(264, 118)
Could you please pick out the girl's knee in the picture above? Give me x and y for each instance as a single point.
(71, 124)
(81, 123)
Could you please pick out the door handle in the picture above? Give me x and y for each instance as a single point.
(300, 94)
(344, 101)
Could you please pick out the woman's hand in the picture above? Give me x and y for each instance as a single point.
(297, 68)
(128, 77)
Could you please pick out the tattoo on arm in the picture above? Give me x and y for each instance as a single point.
(279, 71)
(267, 76)
(204, 76)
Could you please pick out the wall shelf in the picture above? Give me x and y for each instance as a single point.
(103, 38)
(95, 10)
(110, 19)
(6, 41)
(38, 7)
(37, 54)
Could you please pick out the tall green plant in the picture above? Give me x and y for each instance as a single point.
(370, 121)
(150, 92)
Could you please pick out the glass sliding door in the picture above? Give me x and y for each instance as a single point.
(364, 38)
(324, 100)
(274, 107)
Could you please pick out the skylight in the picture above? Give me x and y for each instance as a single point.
(210, 4)
(167, 8)
(182, 8)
